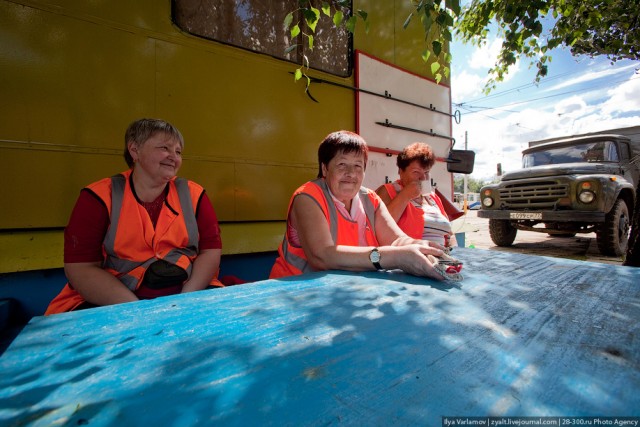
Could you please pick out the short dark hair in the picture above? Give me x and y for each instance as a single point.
(417, 151)
(342, 141)
(141, 130)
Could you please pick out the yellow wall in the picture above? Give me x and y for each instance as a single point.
(74, 74)
(388, 40)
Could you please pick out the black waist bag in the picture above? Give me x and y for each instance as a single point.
(162, 274)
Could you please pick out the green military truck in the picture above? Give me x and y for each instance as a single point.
(580, 184)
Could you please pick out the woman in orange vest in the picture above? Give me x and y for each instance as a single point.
(412, 202)
(143, 233)
(334, 223)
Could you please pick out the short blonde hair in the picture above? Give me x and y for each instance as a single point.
(141, 130)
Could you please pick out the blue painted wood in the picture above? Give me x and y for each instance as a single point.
(521, 335)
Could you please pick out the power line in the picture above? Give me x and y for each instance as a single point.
(521, 87)
(501, 108)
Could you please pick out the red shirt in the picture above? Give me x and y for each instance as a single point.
(89, 222)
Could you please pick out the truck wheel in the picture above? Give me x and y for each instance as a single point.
(501, 232)
(613, 236)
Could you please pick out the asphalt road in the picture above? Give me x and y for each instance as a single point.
(581, 247)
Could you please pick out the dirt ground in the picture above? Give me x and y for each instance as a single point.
(581, 247)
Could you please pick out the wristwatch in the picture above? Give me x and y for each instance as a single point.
(374, 257)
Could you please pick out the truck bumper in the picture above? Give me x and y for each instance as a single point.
(547, 216)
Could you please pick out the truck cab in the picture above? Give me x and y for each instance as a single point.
(581, 184)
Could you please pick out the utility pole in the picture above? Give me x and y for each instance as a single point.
(464, 190)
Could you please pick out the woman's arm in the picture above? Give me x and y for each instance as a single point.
(323, 254)
(205, 266)
(207, 263)
(97, 285)
(316, 240)
(83, 238)
(389, 233)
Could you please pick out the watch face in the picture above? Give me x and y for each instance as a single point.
(374, 256)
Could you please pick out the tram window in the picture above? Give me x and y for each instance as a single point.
(257, 25)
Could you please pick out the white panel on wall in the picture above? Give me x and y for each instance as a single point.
(381, 78)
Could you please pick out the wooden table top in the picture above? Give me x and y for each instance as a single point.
(521, 335)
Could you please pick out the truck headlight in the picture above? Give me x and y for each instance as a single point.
(487, 202)
(587, 196)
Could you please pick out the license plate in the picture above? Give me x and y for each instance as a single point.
(525, 215)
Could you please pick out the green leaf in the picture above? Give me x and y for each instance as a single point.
(295, 31)
(351, 24)
(288, 20)
(310, 42)
(363, 14)
(438, 78)
(437, 47)
(297, 75)
(542, 70)
(326, 8)
(312, 16)
(435, 67)
(337, 18)
(426, 55)
(454, 5)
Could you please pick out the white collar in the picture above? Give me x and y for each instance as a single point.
(356, 203)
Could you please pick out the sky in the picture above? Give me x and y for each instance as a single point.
(579, 95)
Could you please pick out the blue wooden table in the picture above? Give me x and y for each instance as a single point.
(521, 335)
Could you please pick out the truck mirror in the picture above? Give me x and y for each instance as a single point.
(461, 161)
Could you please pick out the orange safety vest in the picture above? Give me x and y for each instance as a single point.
(292, 260)
(412, 219)
(132, 243)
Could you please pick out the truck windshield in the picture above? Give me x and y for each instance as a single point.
(598, 151)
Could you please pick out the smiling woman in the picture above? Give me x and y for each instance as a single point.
(143, 233)
(335, 223)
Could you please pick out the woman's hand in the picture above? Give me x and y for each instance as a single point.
(411, 191)
(431, 244)
(205, 266)
(421, 261)
(416, 259)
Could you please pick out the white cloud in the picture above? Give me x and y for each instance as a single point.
(467, 86)
(624, 98)
(589, 76)
(485, 56)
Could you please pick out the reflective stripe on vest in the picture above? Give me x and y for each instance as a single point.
(123, 266)
(369, 210)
